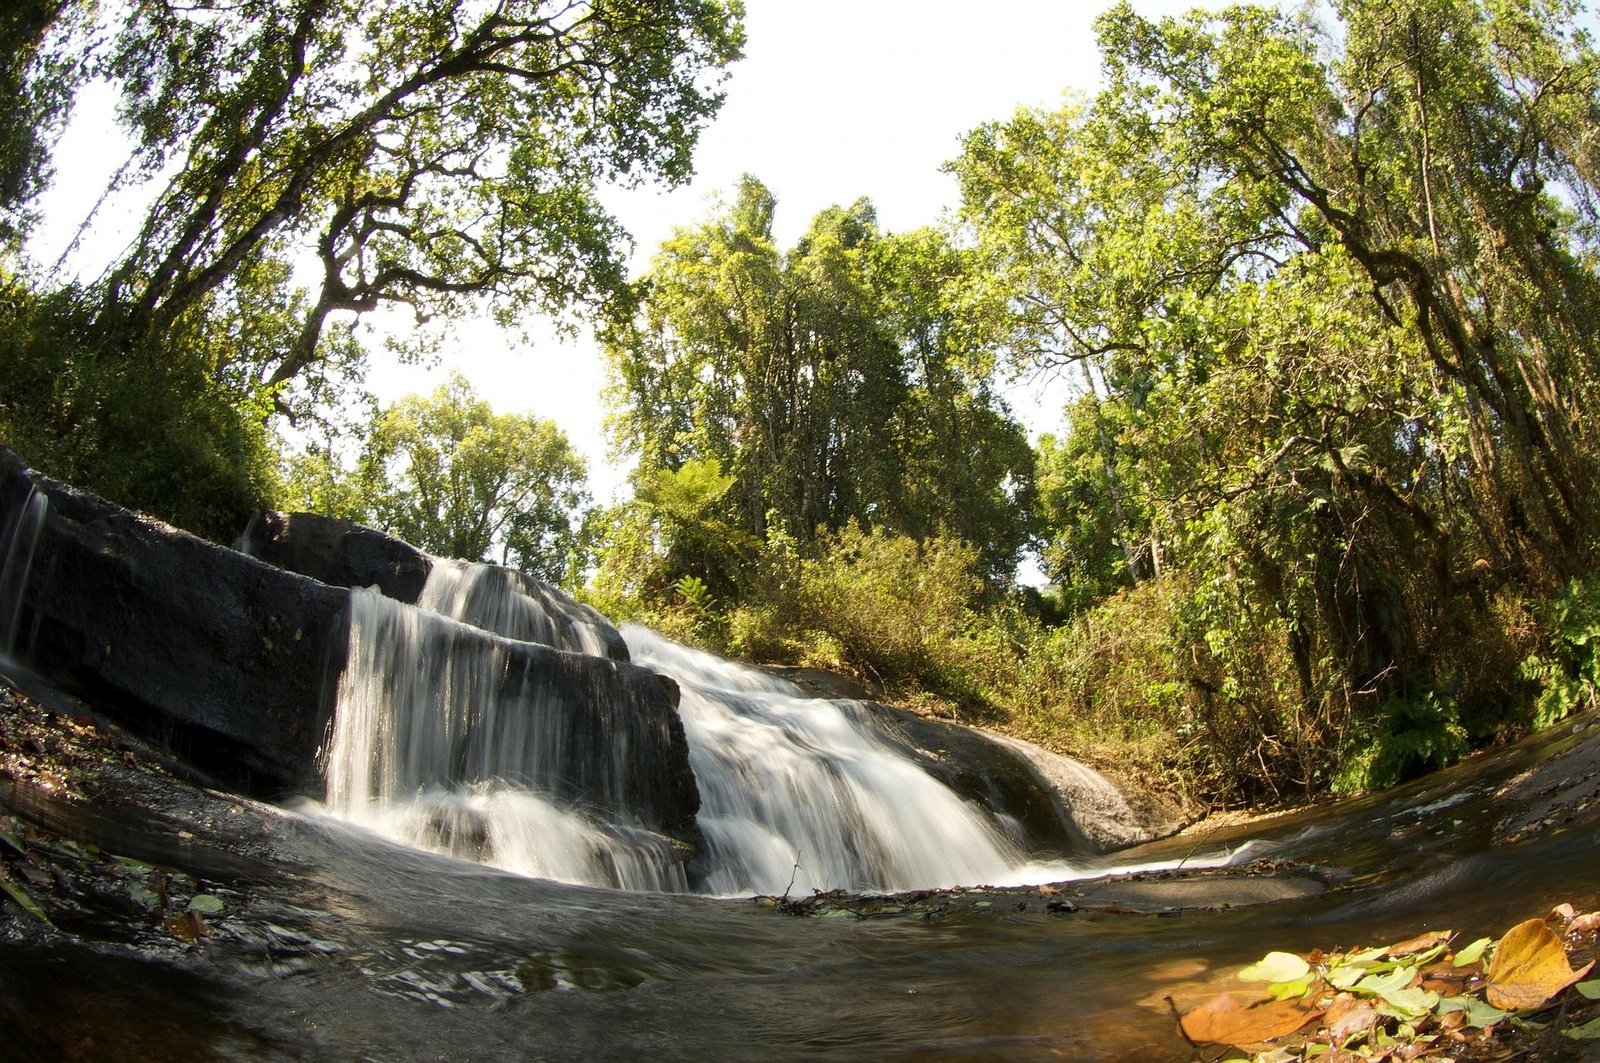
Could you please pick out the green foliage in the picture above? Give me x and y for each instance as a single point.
(837, 382)
(1410, 737)
(37, 83)
(1567, 676)
(448, 474)
(461, 166)
(896, 609)
(152, 429)
(1330, 297)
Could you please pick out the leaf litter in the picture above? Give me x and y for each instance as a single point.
(1414, 999)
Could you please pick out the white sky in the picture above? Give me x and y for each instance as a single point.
(835, 99)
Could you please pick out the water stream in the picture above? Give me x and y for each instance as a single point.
(797, 793)
(18, 538)
(450, 905)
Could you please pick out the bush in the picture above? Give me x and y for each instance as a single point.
(151, 430)
(1567, 674)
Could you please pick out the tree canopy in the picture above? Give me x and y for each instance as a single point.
(1331, 299)
(427, 154)
(834, 382)
(448, 474)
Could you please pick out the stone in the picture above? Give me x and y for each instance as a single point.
(337, 552)
(233, 663)
(344, 554)
(1062, 808)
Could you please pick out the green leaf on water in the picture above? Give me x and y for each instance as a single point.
(206, 904)
(1345, 976)
(1590, 989)
(1411, 1003)
(1276, 967)
(1479, 1013)
(1381, 985)
(1290, 990)
(144, 896)
(25, 902)
(1472, 953)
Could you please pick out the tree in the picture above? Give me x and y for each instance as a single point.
(1331, 299)
(448, 474)
(310, 161)
(429, 153)
(833, 382)
(37, 83)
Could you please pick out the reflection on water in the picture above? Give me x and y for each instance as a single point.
(336, 942)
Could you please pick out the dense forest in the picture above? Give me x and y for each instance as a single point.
(1325, 283)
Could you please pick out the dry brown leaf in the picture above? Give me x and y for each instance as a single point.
(188, 928)
(1564, 912)
(1529, 967)
(1447, 979)
(1246, 1019)
(1587, 923)
(1420, 943)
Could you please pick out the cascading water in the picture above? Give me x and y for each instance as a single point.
(799, 793)
(507, 603)
(17, 543)
(796, 793)
(429, 748)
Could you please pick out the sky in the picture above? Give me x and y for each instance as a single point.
(834, 100)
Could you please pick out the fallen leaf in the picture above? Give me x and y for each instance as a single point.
(1529, 967)
(1420, 943)
(1276, 967)
(1472, 953)
(1565, 912)
(189, 927)
(1359, 1019)
(1587, 923)
(1590, 989)
(25, 902)
(1241, 1019)
(206, 904)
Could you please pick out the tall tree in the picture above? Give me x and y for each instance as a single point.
(448, 474)
(1331, 299)
(429, 153)
(833, 382)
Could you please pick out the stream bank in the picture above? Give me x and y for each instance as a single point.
(317, 937)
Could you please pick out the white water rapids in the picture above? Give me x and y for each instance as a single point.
(797, 793)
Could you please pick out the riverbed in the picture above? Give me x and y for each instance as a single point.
(318, 939)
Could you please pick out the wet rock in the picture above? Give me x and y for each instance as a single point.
(336, 552)
(343, 554)
(222, 658)
(232, 663)
(1062, 807)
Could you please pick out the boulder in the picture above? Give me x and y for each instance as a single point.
(337, 552)
(493, 597)
(234, 663)
(1062, 808)
(226, 660)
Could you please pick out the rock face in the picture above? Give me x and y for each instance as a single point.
(233, 663)
(226, 660)
(337, 552)
(494, 598)
(1052, 798)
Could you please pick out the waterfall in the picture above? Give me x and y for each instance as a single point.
(17, 542)
(436, 743)
(802, 789)
(506, 602)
